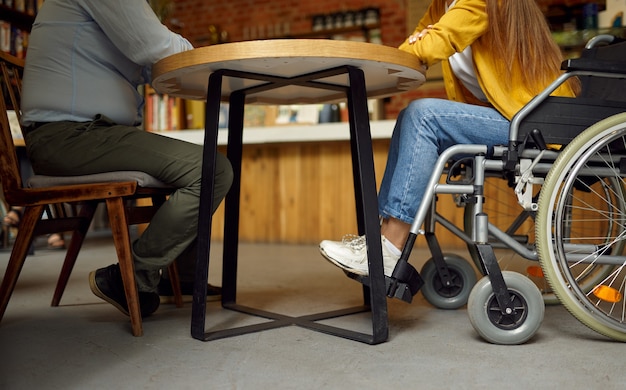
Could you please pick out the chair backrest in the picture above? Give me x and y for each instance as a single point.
(11, 70)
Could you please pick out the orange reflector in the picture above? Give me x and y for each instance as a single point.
(607, 294)
(535, 271)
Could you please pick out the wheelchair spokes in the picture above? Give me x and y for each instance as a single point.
(581, 226)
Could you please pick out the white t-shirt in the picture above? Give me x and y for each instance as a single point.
(462, 65)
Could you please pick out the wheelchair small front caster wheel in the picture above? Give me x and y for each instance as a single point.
(515, 328)
(455, 295)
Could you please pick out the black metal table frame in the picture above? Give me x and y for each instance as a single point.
(374, 294)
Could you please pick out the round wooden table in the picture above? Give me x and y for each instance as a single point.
(388, 71)
(287, 71)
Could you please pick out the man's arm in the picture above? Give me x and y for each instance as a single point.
(133, 28)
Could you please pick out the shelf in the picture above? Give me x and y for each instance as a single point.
(326, 132)
(336, 31)
(20, 19)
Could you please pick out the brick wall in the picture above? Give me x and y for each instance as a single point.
(193, 17)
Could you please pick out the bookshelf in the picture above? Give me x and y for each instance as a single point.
(365, 33)
(16, 20)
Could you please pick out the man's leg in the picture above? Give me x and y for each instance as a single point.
(101, 146)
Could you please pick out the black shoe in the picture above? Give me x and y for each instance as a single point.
(214, 293)
(106, 283)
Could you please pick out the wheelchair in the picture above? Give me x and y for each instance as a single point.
(565, 165)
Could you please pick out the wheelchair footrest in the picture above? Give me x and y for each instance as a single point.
(403, 290)
(404, 283)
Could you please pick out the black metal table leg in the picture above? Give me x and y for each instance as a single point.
(365, 196)
(198, 309)
(367, 200)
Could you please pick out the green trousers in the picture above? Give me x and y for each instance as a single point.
(81, 148)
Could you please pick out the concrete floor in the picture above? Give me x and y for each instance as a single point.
(86, 344)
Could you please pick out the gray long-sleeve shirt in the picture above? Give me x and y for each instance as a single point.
(87, 57)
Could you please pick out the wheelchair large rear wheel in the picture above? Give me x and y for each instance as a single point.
(584, 188)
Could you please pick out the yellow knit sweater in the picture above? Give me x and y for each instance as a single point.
(464, 25)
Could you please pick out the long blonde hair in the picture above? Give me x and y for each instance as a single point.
(519, 31)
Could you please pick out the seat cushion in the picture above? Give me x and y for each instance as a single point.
(142, 179)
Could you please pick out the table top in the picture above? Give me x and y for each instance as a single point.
(387, 70)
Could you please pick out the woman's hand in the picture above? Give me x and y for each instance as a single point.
(417, 36)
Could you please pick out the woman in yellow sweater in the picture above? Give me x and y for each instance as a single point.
(496, 55)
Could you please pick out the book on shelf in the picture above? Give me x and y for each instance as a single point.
(19, 5)
(162, 112)
(13, 40)
(194, 114)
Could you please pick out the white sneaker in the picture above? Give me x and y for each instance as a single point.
(351, 254)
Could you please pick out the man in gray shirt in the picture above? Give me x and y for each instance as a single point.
(81, 109)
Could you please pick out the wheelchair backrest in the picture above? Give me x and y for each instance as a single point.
(561, 119)
(601, 87)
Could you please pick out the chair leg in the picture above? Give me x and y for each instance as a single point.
(5, 236)
(78, 236)
(21, 246)
(175, 281)
(121, 237)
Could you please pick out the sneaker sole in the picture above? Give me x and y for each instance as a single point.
(96, 291)
(342, 266)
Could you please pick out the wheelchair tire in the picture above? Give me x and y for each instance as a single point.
(592, 160)
(452, 297)
(486, 318)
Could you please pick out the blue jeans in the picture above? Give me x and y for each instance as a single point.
(424, 130)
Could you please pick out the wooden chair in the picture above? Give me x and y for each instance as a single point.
(119, 190)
